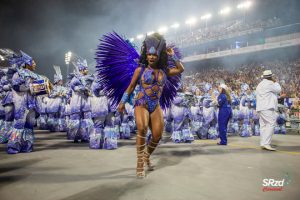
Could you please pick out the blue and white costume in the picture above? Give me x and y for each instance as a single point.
(245, 112)
(233, 128)
(99, 109)
(110, 133)
(41, 103)
(56, 103)
(281, 120)
(181, 117)
(80, 123)
(22, 138)
(209, 128)
(197, 116)
(8, 105)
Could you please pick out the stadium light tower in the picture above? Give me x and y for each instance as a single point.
(225, 11)
(206, 18)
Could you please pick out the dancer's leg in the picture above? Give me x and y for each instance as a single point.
(157, 127)
(142, 122)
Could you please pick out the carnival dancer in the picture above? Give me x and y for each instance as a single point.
(7, 100)
(209, 128)
(233, 127)
(99, 109)
(56, 103)
(22, 138)
(152, 73)
(80, 123)
(179, 113)
(245, 114)
(197, 116)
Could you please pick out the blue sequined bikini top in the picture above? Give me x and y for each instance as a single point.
(149, 77)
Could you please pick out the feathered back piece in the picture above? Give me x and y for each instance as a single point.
(117, 60)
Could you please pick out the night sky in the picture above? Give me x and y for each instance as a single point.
(47, 29)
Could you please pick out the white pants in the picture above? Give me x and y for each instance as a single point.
(267, 122)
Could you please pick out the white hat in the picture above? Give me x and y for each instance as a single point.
(223, 86)
(267, 73)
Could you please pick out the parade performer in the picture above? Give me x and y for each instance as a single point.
(80, 123)
(7, 96)
(120, 72)
(209, 128)
(179, 113)
(56, 103)
(234, 121)
(245, 108)
(99, 109)
(22, 138)
(197, 116)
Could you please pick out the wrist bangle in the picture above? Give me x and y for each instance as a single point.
(175, 58)
(124, 98)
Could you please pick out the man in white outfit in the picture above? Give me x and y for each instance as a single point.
(266, 106)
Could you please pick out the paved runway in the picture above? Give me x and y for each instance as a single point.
(60, 169)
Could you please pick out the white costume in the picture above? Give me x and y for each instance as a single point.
(266, 95)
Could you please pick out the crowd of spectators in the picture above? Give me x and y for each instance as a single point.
(287, 74)
(199, 35)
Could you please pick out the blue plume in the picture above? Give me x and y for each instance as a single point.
(116, 61)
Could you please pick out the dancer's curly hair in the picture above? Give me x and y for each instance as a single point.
(163, 57)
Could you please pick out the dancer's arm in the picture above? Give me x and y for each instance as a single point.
(178, 69)
(129, 90)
